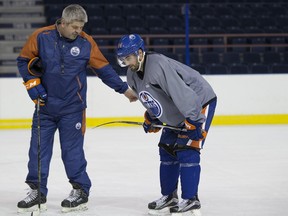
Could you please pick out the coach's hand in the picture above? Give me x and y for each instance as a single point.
(129, 93)
(194, 130)
(149, 122)
(36, 90)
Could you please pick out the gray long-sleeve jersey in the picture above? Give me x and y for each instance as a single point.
(170, 90)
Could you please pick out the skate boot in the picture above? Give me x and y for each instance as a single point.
(76, 201)
(187, 207)
(30, 203)
(161, 206)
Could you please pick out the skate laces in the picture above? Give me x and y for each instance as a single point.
(183, 203)
(32, 195)
(74, 195)
(161, 200)
(187, 204)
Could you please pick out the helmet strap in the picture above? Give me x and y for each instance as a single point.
(140, 62)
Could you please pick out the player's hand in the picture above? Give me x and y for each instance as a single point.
(149, 122)
(194, 130)
(129, 93)
(36, 90)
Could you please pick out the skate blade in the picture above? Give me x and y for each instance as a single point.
(82, 207)
(195, 212)
(34, 208)
(161, 212)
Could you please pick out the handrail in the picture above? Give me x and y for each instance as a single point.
(225, 45)
(197, 35)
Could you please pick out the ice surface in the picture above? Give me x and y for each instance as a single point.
(244, 172)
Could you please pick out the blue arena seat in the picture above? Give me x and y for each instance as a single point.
(197, 30)
(131, 10)
(200, 41)
(94, 10)
(158, 30)
(134, 21)
(154, 21)
(274, 29)
(175, 30)
(247, 22)
(223, 10)
(138, 30)
(278, 41)
(218, 69)
(253, 29)
(231, 58)
(281, 68)
(285, 57)
(266, 21)
(251, 58)
(218, 41)
(119, 30)
(241, 41)
(115, 22)
(259, 69)
(211, 22)
(112, 10)
(174, 21)
(210, 58)
(195, 22)
(204, 10)
(99, 31)
(150, 10)
(259, 41)
(229, 21)
(234, 30)
(96, 22)
(215, 30)
(160, 42)
(239, 69)
(271, 58)
(171, 9)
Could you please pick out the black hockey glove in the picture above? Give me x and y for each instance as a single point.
(35, 67)
(194, 130)
(36, 90)
(148, 123)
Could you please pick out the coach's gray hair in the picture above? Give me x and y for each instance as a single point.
(74, 12)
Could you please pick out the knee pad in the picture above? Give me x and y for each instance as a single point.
(188, 156)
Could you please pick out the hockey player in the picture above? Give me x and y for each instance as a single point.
(176, 95)
(53, 65)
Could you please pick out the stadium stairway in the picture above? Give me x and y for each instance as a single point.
(19, 18)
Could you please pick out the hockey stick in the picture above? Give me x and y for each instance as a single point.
(34, 213)
(140, 123)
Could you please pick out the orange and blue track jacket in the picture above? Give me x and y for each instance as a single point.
(65, 63)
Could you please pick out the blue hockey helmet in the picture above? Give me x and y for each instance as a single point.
(127, 45)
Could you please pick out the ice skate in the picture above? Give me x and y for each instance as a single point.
(187, 207)
(30, 203)
(161, 207)
(76, 201)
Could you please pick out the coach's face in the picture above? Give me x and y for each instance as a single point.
(71, 30)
